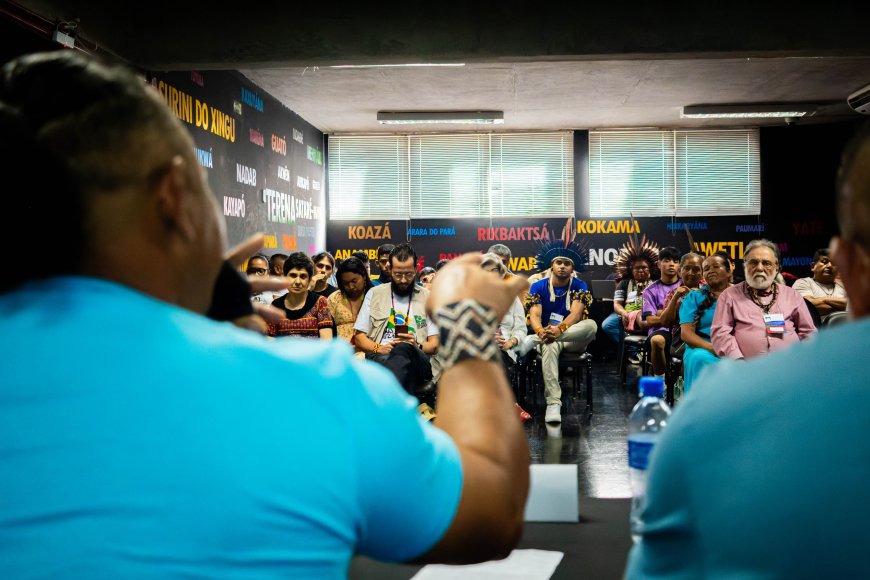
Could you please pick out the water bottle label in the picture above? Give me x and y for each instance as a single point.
(638, 454)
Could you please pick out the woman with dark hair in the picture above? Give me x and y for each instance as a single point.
(324, 266)
(696, 317)
(307, 315)
(353, 283)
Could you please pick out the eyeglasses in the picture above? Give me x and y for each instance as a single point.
(766, 264)
(404, 275)
(640, 268)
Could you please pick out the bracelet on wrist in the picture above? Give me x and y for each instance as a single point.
(375, 349)
(563, 327)
(466, 330)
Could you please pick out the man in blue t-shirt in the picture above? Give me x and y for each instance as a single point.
(146, 448)
(559, 319)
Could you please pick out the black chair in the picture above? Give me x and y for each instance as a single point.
(836, 318)
(638, 343)
(523, 379)
(578, 362)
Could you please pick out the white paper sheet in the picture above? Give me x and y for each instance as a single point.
(520, 565)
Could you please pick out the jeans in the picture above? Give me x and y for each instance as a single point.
(612, 327)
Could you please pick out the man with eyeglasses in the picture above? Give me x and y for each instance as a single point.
(258, 265)
(392, 327)
(759, 316)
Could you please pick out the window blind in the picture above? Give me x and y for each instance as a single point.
(368, 178)
(674, 173)
(454, 175)
(717, 173)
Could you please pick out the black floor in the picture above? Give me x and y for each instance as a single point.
(596, 442)
(598, 546)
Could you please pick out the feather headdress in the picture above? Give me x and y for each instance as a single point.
(632, 251)
(564, 247)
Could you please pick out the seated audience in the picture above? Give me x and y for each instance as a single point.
(559, 317)
(696, 317)
(823, 289)
(324, 270)
(762, 470)
(307, 314)
(392, 326)
(344, 305)
(658, 340)
(759, 316)
(149, 448)
(633, 273)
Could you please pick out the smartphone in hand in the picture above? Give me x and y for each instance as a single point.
(401, 329)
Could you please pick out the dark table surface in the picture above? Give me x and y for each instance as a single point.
(596, 547)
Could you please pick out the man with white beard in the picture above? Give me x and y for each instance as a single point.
(759, 316)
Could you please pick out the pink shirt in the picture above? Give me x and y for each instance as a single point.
(738, 325)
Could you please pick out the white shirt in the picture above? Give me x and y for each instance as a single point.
(400, 304)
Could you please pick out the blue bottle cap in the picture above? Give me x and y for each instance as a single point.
(651, 387)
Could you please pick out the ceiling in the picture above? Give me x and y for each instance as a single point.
(619, 66)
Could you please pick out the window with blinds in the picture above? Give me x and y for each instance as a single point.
(458, 175)
(674, 173)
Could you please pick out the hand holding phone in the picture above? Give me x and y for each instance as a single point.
(401, 329)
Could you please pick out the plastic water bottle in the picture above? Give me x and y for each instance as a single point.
(645, 425)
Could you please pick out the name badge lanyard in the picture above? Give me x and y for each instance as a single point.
(407, 317)
(774, 324)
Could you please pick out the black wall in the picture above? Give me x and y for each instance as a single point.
(265, 163)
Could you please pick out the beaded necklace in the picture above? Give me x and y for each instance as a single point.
(753, 294)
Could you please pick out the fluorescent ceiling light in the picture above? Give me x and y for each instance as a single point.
(418, 64)
(760, 111)
(439, 117)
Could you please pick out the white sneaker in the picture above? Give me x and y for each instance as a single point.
(554, 413)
